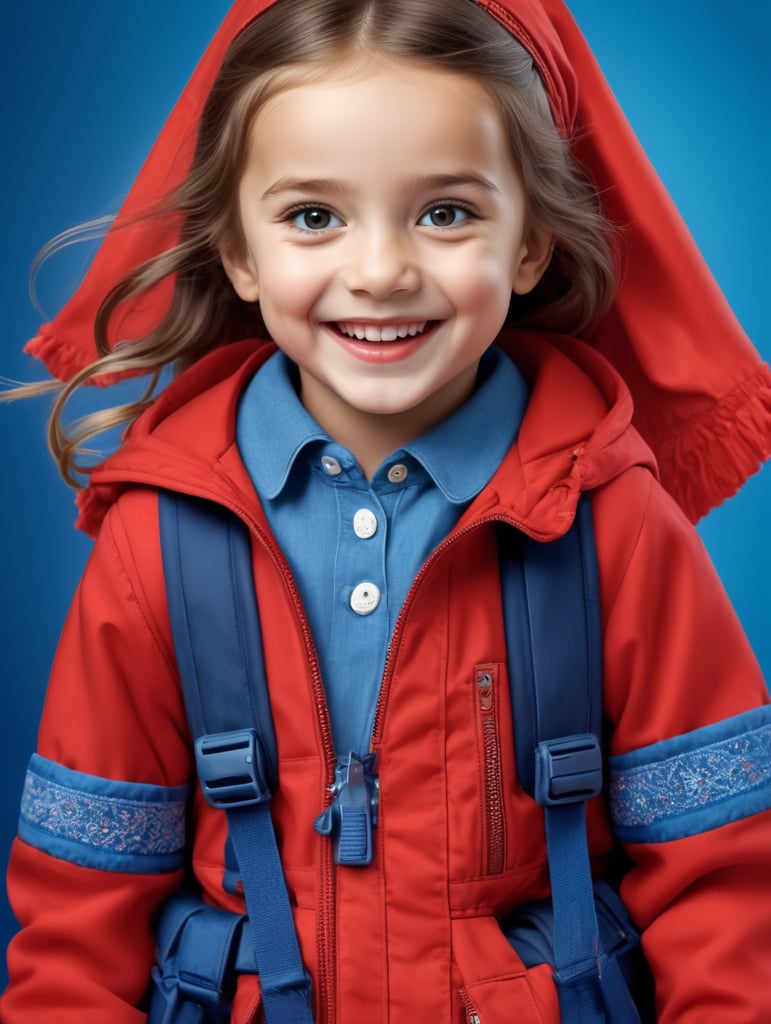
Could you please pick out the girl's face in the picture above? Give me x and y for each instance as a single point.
(385, 229)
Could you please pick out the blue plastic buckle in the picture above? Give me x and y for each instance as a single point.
(200, 993)
(232, 768)
(352, 816)
(568, 770)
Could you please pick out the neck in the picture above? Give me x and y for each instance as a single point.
(372, 436)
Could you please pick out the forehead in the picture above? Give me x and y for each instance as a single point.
(390, 114)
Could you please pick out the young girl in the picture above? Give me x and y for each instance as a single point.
(392, 193)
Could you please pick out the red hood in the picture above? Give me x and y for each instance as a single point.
(702, 398)
(186, 440)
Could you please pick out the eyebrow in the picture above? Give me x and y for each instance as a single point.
(440, 182)
(431, 183)
(306, 185)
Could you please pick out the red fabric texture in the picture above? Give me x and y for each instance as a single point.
(702, 396)
(413, 937)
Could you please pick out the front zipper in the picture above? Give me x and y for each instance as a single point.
(327, 898)
(326, 938)
(472, 1014)
(492, 782)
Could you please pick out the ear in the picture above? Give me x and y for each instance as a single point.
(536, 256)
(242, 271)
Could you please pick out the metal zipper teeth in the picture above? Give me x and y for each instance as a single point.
(472, 1016)
(318, 688)
(385, 686)
(494, 815)
(493, 798)
(326, 933)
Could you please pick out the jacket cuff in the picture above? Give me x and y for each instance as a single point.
(102, 823)
(695, 782)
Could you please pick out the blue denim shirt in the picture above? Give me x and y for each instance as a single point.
(355, 546)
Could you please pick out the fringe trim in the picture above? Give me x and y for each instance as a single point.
(60, 357)
(709, 457)
(63, 359)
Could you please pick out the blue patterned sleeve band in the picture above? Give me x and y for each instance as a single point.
(694, 782)
(100, 823)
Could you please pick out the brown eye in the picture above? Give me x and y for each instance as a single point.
(445, 215)
(315, 218)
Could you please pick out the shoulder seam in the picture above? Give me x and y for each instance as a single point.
(135, 583)
(632, 550)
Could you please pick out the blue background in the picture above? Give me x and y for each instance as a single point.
(85, 87)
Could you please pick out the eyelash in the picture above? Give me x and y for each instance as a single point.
(451, 204)
(294, 212)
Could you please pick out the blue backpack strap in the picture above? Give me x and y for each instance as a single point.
(551, 611)
(552, 591)
(215, 625)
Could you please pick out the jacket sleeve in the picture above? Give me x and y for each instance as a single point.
(691, 768)
(101, 834)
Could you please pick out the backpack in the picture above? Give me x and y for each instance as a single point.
(583, 930)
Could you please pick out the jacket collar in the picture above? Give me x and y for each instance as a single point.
(576, 434)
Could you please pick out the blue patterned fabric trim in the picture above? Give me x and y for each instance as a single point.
(694, 782)
(100, 823)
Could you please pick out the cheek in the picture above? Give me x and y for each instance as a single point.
(480, 282)
(287, 280)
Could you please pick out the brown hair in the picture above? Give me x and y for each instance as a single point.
(296, 40)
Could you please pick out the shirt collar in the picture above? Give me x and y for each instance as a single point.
(273, 426)
(461, 454)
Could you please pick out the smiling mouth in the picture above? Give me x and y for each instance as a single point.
(382, 332)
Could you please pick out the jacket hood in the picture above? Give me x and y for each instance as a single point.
(577, 434)
(702, 397)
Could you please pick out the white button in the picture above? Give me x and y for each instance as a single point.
(365, 598)
(331, 466)
(364, 523)
(397, 473)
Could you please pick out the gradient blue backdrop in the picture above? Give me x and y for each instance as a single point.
(85, 87)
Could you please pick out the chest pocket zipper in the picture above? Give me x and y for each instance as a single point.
(492, 781)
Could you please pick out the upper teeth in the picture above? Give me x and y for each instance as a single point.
(389, 332)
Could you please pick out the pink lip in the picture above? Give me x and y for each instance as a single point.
(382, 351)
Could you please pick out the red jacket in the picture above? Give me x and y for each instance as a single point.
(413, 937)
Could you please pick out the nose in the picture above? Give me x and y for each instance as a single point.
(381, 262)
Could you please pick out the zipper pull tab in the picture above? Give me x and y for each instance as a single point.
(485, 684)
(352, 816)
